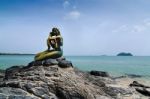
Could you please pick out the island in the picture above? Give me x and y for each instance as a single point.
(124, 54)
(16, 54)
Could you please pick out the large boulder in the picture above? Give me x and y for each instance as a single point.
(65, 63)
(99, 73)
(137, 84)
(50, 62)
(61, 62)
(2, 74)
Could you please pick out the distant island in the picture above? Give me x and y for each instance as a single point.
(15, 54)
(124, 54)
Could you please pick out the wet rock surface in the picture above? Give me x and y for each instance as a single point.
(141, 88)
(58, 79)
(99, 73)
(2, 74)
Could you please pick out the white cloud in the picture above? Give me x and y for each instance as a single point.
(121, 29)
(145, 25)
(141, 27)
(66, 4)
(74, 15)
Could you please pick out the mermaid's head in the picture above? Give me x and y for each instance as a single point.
(55, 31)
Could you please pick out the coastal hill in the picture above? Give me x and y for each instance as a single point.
(59, 79)
(124, 54)
(16, 54)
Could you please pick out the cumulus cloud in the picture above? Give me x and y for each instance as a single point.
(66, 3)
(145, 25)
(74, 15)
(140, 27)
(120, 29)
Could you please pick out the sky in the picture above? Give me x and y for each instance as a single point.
(88, 27)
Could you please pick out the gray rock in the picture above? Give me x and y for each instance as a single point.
(99, 73)
(60, 59)
(35, 63)
(9, 73)
(2, 76)
(50, 62)
(2, 96)
(37, 81)
(21, 97)
(65, 64)
(137, 84)
(141, 88)
(143, 91)
(134, 76)
(114, 91)
(10, 91)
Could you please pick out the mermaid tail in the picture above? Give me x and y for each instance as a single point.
(48, 54)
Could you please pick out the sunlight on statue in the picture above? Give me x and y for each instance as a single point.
(54, 43)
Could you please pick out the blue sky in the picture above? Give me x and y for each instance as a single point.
(89, 27)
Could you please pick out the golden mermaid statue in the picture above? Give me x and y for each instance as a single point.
(54, 43)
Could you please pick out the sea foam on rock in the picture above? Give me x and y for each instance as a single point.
(58, 79)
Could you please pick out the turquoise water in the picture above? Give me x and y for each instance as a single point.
(115, 65)
(11, 60)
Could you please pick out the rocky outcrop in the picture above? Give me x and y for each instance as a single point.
(141, 88)
(2, 74)
(58, 79)
(99, 73)
(137, 84)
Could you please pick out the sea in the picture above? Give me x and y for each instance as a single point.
(115, 65)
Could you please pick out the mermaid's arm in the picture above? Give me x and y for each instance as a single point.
(60, 40)
(48, 44)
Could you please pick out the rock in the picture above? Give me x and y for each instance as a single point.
(143, 91)
(119, 77)
(65, 64)
(9, 73)
(37, 81)
(60, 59)
(136, 84)
(36, 63)
(49, 62)
(43, 93)
(15, 93)
(2, 71)
(2, 74)
(99, 73)
(117, 90)
(134, 76)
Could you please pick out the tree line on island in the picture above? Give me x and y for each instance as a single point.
(124, 54)
(16, 54)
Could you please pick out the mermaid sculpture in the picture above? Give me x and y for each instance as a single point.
(54, 41)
